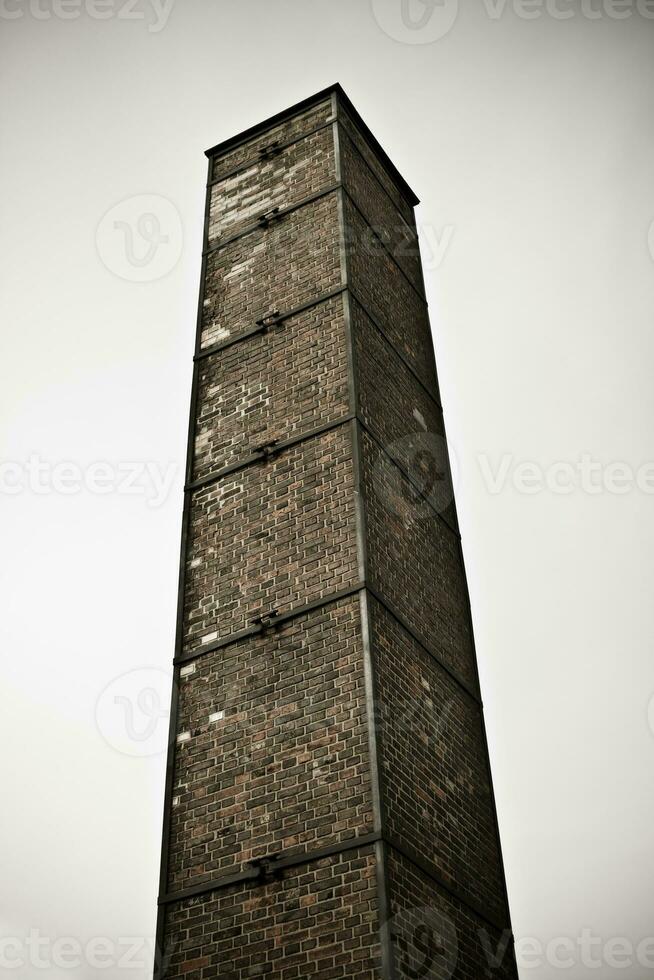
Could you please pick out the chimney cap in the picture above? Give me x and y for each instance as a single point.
(248, 134)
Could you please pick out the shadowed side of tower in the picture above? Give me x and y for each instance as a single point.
(329, 808)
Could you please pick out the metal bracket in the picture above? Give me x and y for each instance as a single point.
(267, 620)
(268, 872)
(267, 450)
(270, 319)
(270, 150)
(268, 217)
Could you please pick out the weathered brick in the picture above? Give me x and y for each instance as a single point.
(272, 386)
(294, 260)
(297, 172)
(292, 737)
(272, 535)
(288, 129)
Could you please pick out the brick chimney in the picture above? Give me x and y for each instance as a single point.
(329, 809)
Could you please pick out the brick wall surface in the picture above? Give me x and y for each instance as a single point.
(286, 764)
(320, 920)
(290, 129)
(384, 290)
(399, 413)
(295, 173)
(437, 790)
(272, 535)
(380, 209)
(370, 159)
(272, 386)
(414, 561)
(435, 936)
(281, 267)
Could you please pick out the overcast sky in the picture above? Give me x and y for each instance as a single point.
(526, 129)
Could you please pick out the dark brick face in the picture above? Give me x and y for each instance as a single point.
(435, 936)
(415, 561)
(401, 416)
(380, 209)
(372, 161)
(278, 731)
(341, 743)
(437, 791)
(319, 920)
(272, 386)
(386, 292)
(273, 535)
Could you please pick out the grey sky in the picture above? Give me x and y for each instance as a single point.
(528, 136)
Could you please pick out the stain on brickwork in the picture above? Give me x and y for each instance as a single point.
(328, 800)
(249, 149)
(288, 177)
(281, 267)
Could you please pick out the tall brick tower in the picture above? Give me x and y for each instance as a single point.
(329, 809)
